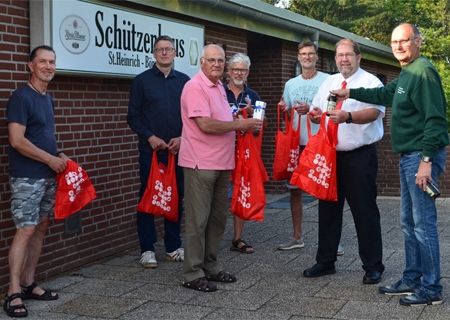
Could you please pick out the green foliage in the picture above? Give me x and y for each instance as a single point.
(375, 20)
(272, 2)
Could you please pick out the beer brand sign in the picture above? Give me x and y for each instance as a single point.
(94, 38)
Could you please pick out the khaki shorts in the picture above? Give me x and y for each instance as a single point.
(31, 199)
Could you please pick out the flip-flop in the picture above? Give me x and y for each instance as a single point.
(242, 249)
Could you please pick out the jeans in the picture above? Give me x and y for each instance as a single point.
(145, 221)
(418, 222)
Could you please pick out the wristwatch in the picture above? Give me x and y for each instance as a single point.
(427, 159)
(350, 119)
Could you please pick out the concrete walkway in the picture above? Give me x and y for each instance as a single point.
(270, 283)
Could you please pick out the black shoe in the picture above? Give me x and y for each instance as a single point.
(372, 277)
(319, 270)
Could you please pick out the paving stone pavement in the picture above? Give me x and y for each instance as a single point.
(270, 283)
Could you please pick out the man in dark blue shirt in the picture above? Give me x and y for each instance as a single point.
(239, 96)
(154, 114)
(34, 161)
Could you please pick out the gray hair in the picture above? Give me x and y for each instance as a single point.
(212, 45)
(240, 58)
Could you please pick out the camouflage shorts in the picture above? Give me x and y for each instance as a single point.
(31, 199)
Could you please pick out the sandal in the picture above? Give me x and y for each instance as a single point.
(28, 293)
(222, 276)
(11, 310)
(200, 284)
(243, 248)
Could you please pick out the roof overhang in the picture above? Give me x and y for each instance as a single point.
(266, 19)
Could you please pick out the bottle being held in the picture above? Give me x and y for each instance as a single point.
(331, 102)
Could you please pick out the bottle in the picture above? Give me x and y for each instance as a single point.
(331, 102)
(432, 190)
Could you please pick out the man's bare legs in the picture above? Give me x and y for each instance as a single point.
(297, 212)
(23, 257)
(238, 227)
(297, 216)
(297, 221)
(16, 259)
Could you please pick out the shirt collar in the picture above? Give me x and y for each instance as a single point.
(206, 80)
(158, 72)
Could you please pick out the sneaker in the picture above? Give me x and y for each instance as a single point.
(292, 244)
(148, 260)
(177, 255)
(340, 251)
(420, 298)
(397, 288)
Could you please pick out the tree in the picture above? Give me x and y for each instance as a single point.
(375, 20)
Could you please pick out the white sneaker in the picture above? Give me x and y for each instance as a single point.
(148, 260)
(292, 244)
(177, 255)
(340, 251)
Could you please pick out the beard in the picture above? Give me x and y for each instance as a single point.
(238, 82)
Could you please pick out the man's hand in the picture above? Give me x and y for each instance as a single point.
(57, 164)
(157, 143)
(315, 115)
(423, 174)
(341, 94)
(251, 124)
(174, 145)
(301, 108)
(249, 107)
(283, 105)
(337, 116)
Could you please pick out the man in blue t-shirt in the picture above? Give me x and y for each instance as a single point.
(34, 160)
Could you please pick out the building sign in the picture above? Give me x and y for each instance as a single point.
(94, 38)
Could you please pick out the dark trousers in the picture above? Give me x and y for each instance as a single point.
(356, 182)
(145, 222)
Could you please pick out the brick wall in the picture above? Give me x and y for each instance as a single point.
(91, 128)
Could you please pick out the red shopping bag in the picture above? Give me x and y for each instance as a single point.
(254, 142)
(75, 190)
(161, 195)
(287, 148)
(249, 197)
(316, 171)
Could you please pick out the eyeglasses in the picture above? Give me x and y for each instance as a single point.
(307, 54)
(213, 61)
(168, 50)
(396, 43)
(346, 55)
(236, 70)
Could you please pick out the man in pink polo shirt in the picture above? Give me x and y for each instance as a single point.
(207, 158)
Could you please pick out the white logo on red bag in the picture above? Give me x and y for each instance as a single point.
(75, 179)
(244, 194)
(163, 198)
(294, 155)
(322, 173)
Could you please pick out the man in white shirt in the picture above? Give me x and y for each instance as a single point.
(360, 126)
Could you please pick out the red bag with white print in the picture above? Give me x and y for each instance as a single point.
(249, 197)
(74, 192)
(287, 148)
(161, 194)
(316, 171)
